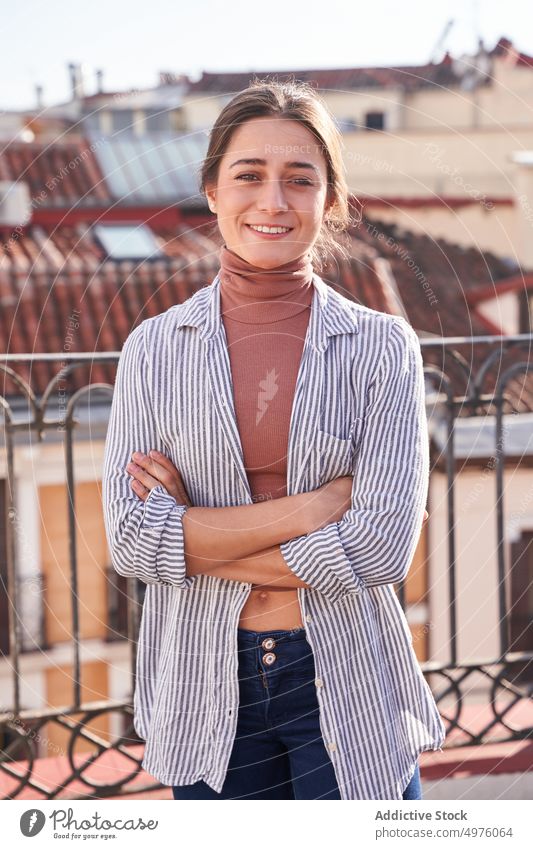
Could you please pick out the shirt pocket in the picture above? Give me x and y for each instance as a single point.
(337, 453)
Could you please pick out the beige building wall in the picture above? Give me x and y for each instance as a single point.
(92, 562)
(503, 312)
(416, 599)
(471, 225)
(59, 693)
(438, 144)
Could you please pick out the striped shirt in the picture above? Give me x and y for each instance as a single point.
(358, 408)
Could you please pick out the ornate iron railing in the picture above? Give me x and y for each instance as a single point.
(22, 730)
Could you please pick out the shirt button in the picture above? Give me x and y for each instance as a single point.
(308, 618)
(332, 747)
(319, 682)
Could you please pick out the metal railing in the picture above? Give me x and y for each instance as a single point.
(21, 728)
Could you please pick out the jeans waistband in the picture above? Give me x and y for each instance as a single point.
(256, 637)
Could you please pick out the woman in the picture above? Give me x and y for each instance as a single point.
(274, 660)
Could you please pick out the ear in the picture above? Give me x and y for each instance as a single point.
(210, 194)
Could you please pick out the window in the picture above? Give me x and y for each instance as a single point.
(375, 120)
(122, 119)
(521, 602)
(4, 600)
(117, 604)
(347, 125)
(157, 120)
(525, 311)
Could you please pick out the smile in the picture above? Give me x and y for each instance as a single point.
(265, 228)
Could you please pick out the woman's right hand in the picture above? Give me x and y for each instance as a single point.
(155, 468)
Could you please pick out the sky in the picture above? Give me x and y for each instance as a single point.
(132, 41)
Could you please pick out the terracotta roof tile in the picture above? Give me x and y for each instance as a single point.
(384, 272)
(68, 167)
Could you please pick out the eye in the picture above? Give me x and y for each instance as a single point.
(302, 181)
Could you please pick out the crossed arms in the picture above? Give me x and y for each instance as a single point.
(294, 541)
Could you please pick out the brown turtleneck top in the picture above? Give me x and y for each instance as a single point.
(265, 315)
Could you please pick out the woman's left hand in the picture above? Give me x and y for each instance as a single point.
(149, 471)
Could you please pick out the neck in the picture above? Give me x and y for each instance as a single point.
(291, 275)
(260, 295)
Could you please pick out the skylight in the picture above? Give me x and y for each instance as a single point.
(128, 241)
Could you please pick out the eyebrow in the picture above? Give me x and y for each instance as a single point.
(294, 164)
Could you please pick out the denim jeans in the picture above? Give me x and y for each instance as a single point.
(278, 751)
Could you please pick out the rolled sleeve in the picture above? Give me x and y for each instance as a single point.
(320, 560)
(145, 538)
(375, 541)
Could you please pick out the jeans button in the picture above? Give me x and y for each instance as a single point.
(268, 643)
(269, 658)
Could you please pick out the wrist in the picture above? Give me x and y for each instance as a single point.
(306, 512)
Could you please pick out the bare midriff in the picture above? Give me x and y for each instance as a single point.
(269, 610)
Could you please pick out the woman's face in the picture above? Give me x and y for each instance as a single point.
(273, 174)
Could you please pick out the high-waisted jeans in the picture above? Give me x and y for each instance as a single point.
(278, 751)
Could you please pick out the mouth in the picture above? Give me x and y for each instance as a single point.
(267, 231)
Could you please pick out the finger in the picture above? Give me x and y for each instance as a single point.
(166, 474)
(163, 478)
(154, 468)
(164, 461)
(140, 490)
(140, 474)
(177, 481)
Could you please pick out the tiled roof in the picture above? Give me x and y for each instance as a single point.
(452, 272)
(58, 174)
(505, 48)
(46, 275)
(409, 77)
(94, 171)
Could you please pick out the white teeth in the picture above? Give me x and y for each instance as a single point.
(261, 229)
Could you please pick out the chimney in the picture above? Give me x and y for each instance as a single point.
(76, 80)
(99, 81)
(39, 96)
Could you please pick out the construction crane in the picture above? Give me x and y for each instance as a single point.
(442, 38)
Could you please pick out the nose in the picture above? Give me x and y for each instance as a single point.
(272, 198)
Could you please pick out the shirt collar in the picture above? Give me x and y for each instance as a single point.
(329, 316)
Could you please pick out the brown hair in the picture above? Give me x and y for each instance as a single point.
(296, 101)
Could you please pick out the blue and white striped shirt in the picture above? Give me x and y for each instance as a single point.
(358, 408)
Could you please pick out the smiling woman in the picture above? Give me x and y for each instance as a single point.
(285, 497)
(270, 196)
(273, 167)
